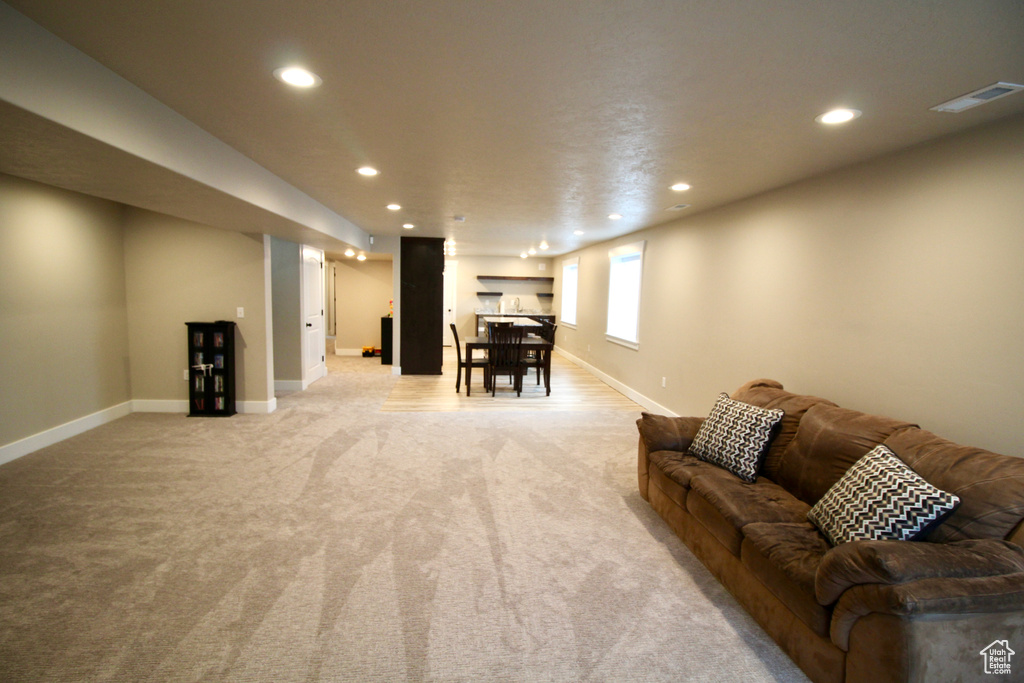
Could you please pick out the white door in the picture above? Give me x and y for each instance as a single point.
(451, 271)
(313, 341)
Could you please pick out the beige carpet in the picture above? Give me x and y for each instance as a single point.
(331, 541)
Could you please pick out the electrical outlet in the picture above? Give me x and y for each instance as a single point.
(184, 374)
(662, 382)
(241, 312)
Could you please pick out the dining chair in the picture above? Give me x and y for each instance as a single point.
(470, 361)
(535, 358)
(491, 326)
(505, 356)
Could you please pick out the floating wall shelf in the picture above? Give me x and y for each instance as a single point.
(545, 295)
(489, 293)
(517, 278)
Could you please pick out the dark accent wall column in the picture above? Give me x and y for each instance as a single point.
(422, 277)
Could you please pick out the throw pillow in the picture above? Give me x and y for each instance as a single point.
(880, 498)
(735, 436)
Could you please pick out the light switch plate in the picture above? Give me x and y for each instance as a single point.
(241, 312)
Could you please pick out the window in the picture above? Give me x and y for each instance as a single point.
(570, 285)
(624, 276)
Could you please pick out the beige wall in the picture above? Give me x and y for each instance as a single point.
(178, 271)
(892, 287)
(362, 291)
(469, 267)
(62, 308)
(286, 269)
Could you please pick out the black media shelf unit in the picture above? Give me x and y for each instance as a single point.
(211, 369)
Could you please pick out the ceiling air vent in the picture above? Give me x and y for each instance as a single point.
(677, 207)
(981, 96)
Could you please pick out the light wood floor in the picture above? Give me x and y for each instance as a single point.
(572, 388)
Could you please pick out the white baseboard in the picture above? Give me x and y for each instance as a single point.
(256, 407)
(144, 405)
(51, 436)
(177, 406)
(630, 393)
(396, 370)
(48, 437)
(347, 352)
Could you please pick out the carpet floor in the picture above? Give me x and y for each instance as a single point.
(330, 541)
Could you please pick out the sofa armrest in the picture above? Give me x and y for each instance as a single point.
(932, 598)
(663, 433)
(897, 562)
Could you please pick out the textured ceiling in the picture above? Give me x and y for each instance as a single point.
(534, 119)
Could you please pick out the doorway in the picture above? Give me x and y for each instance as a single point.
(313, 341)
(451, 277)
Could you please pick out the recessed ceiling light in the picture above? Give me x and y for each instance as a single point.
(837, 116)
(408, 226)
(523, 255)
(361, 257)
(543, 245)
(300, 78)
(349, 253)
(394, 207)
(680, 187)
(367, 170)
(531, 251)
(577, 232)
(615, 216)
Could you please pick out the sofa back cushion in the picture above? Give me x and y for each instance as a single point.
(768, 393)
(990, 486)
(829, 440)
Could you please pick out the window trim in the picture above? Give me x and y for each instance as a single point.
(617, 253)
(568, 263)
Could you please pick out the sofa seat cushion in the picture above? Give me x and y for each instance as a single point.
(681, 468)
(785, 558)
(724, 504)
(658, 479)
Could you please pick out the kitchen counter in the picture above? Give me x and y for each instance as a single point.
(481, 327)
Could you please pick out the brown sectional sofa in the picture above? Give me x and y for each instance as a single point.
(864, 611)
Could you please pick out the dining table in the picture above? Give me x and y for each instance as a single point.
(542, 346)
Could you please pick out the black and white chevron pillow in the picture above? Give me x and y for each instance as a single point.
(735, 436)
(880, 498)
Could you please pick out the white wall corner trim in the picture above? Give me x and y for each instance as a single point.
(51, 436)
(630, 393)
